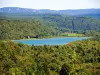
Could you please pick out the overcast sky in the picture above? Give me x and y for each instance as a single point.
(51, 4)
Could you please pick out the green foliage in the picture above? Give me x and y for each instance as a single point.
(81, 58)
(17, 29)
(64, 70)
(46, 25)
(73, 23)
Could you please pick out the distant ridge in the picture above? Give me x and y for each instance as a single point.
(43, 11)
(16, 10)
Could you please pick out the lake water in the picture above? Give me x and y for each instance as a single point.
(50, 41)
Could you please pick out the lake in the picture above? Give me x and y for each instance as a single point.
(51, 41)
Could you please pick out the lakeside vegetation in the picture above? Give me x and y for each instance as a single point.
(16, 29)
(76, 58)
(48, 26)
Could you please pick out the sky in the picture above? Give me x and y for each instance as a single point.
(51, 4)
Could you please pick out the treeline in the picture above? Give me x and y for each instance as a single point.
(77, 58)
(72, 23)
(19, 29)
(62, 23)
(46, 25)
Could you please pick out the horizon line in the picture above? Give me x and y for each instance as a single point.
(49, 9)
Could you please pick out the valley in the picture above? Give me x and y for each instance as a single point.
(49, 42)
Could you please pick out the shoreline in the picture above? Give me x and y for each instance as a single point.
(51, 38)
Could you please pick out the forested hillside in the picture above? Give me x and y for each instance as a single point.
(73, 23)
(17, 29)
(43, 25)
(95, 15)
(77, 58)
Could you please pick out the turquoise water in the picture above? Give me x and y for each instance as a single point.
(50, 41)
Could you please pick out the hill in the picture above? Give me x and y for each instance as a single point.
(73, 23)
(43, 11)
(19, 25)
(94, 15)
(81, 58)
(53, 23)
(16, 29)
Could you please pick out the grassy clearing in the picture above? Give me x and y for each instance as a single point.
(72, 35)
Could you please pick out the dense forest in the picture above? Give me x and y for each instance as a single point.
(16, 29)
(76, 58)
(72, 23)
(46, 25)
